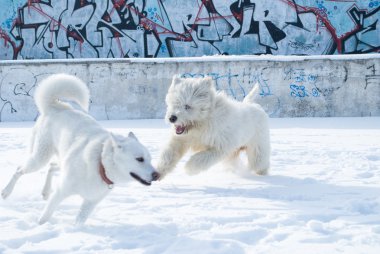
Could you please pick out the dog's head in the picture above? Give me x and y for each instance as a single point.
(189, 102)
(125, 158)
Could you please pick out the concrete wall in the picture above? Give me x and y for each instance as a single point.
(51, 29)
(129, 89)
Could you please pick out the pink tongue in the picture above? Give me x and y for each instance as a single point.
(179, 129)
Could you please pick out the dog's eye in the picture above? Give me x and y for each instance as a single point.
(187, 107)
(140, 159)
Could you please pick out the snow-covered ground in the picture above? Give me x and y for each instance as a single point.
(322, 196)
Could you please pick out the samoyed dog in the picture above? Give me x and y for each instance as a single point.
(215, 127)
(92, 159)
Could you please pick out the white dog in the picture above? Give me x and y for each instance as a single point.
(214, 126)
(91, 158)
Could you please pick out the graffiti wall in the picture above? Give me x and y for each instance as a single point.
(46, 29)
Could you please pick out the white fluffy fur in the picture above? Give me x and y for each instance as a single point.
(214, 127)
(81, 146)
(48, 90)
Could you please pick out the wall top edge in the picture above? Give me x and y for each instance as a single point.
(223, 58)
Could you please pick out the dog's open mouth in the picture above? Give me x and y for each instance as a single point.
(138, 178)
(179, 129)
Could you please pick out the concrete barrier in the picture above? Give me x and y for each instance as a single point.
(307, 86)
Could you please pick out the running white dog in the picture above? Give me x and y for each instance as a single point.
(214, 126)
(91, 158)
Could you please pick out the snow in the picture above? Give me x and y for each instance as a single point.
(322, 196)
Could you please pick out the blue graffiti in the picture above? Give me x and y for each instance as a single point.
(315, 92)
(300, 81)
(298, 91)
(312, 78)
(233, 87)
(263, 82)
(373, 4)
(238, 85)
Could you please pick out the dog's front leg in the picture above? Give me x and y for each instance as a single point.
(52, 204)
(202, 161)
(170, 156)
(85, 210)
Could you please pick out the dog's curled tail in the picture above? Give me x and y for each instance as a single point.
(251, 96)
(52, 91)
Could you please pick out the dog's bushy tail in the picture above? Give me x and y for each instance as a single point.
(251, 96)
(52, 91)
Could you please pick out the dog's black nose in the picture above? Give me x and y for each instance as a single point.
(173, 118)
(155, 176)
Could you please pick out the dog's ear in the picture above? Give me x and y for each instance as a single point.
(176, 80)
(115, 141)
(132, 135)
(208, 81)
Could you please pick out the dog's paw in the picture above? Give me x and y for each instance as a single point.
(41, 221)
(197, 163)
(162, 176)
(261, 172)
(162, 173)
(5, 193)
(191, 172)
(45, 195)
(192, 168)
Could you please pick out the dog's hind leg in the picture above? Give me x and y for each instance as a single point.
(232, 161)
(47, 186)
(85, 210)
(9, 188)
(41, 154)
(259, 157)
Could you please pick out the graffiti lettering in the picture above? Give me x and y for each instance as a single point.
(373, 78)
(15, 84)
(300, 45)
(156, 28)
(298, 91)
(238, 85)
(301, 79)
